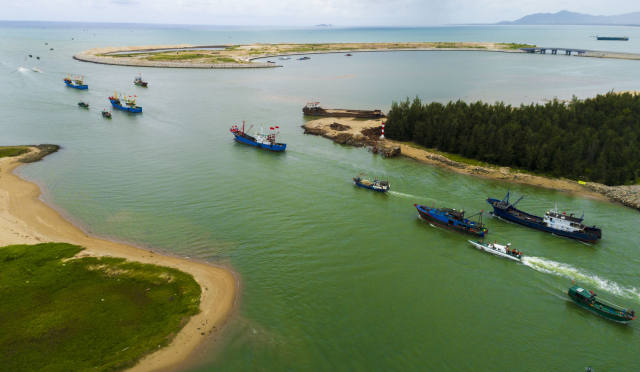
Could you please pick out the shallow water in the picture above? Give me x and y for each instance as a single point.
(333, 277)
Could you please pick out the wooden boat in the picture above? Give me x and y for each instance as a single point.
(106, 114)
(375, 185)
(452, 219)
(262, 139)
(125, 103)
(75, 82)
(588, 300)
(83, 105)
(139, 82)
(504, 251)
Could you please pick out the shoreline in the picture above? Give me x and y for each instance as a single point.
(26, 219)
(244, 55)
(365, 133)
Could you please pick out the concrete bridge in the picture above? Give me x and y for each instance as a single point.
(567, 51)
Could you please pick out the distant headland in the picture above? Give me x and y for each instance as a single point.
(566, 17)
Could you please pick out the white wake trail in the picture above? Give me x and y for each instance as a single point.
(567, 271)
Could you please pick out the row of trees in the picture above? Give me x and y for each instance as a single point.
(595, 139)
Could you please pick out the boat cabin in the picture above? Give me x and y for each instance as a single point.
(582, 294)
(562, 221)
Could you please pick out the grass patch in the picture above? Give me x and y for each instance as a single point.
(8, 151)
(176, 56)
(219, 59)
(515, 45)
(99, 314)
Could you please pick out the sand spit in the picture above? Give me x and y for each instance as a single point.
(366, 133)
(25, 219)
(243, 56)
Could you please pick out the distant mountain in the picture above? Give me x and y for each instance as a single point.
(565, 17)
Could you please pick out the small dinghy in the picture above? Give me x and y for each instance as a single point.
(83, 105)
(504, 251)
(106, 114)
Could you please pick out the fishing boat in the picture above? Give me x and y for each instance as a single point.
(125, 103)
(348, 55)
(36, 69)
(613, 38)
(262, 139)
(83, 104)
(375, 185)
(304, 58)
(589, 300)
(452, 219)
(504, 251)
(139, 82)
(561, 224)
(76, 82)
(106, 114)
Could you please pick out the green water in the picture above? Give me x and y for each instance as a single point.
(332, 277)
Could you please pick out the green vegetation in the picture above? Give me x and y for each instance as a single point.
(596, 139)
(70, 314)
(515, 45)
(452, 45)
(12, 151)
(219, 59)
(175, 56)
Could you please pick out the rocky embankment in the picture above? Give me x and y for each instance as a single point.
(353, 132)
(366, 133)
(627, 195)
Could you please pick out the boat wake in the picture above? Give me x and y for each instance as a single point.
(23, 69)
(396, 193)
(567, 271)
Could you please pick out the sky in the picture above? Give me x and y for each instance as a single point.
(301, 12)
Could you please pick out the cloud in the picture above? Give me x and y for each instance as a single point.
(301, 12)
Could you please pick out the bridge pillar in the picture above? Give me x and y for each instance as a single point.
(543, 51)
(554, 51)
(567, 52)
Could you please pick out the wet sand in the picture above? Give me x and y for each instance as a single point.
(25, 219)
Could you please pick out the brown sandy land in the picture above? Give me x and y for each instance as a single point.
(245, 54)
(25, 219)
(322, 127)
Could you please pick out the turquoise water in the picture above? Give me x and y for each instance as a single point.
(333, 277)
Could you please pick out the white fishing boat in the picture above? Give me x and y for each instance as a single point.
(35, 69)
(496, 249)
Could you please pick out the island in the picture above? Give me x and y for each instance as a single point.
(244, 56)
(79, 302)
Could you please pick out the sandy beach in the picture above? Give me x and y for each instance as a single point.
(25, 219)
(358, 132)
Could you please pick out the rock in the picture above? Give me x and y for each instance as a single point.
(339, 127)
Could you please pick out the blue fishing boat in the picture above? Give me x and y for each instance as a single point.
(375, 185)
(76, 83)
(262, 139)
(452, 219)
(125, 103)
(561, 224)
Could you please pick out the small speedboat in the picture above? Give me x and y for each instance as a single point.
(304, 58)
(83, 105)
(375, 185)
(35, 69)
(348, 55)
(106, 114)
(504, 251)
(587, 300)
(285, 58)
